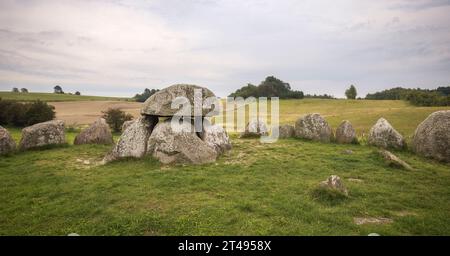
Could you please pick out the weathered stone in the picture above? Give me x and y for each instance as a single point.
(345, 133)
(313, 127)
(382, 134)
(347, 152)
(334, 182)
(126, 124)
(42, 134)
(286, 131)
(97, 133)
(432, 136)
(394, 160)
(133, 141)
(159, 104)
(216, 137)
(255, 128)
(7, 143)
(179, 144)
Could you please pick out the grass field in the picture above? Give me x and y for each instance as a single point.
(256, 189)
(52, 97)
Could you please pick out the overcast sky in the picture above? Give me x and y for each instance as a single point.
(119, 47)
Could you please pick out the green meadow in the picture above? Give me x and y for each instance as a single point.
(255, 189)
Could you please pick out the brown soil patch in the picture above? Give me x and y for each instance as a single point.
(86, 112)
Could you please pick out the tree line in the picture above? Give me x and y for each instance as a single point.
(270, 87)
(418, 97)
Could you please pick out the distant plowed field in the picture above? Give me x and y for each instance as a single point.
(86, 112)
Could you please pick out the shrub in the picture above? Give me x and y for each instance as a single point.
(25, 114)
(115, 118)
(39, 112)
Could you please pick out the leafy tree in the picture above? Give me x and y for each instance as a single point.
(77, 93)
(115, 118)
(57, 89)
(15, 89)
(24, 90)
(270, 87)
(351, 92)
(145, 95)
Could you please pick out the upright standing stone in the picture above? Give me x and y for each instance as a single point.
(43, 134)
(215, 136)
(313, 127)
(345, 133)
(432, 136)
(182, 145)
(255, 128)
(286, 131)
(7, 143)
(382, 134)
(133, 141)
(97, 133)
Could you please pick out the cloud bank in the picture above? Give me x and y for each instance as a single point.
(121, 47)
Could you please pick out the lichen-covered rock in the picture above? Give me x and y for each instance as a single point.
(7, 143)
(394, 160)
(97, 133)
(43, 134)
(216, 137)
(286, 131)
(382, 134)
(159, 104)
(334, 182)
(133, 141)
(345, 133)
(313, 127)
(181, 145)
(432, 136)
(126, 124)
(255, 128)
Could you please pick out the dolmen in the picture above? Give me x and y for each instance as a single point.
(172, 138)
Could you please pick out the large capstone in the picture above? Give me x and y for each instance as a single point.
(43, 134)
(432, 136)
(133, 141)
(215, 136)
(313, 127)
(160, 103)
(174, 142)
(382, 134)
(345, 133)
(97, 133)
(255, 128)
(7, 143)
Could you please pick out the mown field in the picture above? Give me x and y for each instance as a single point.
(256, 189)
(52, 97)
